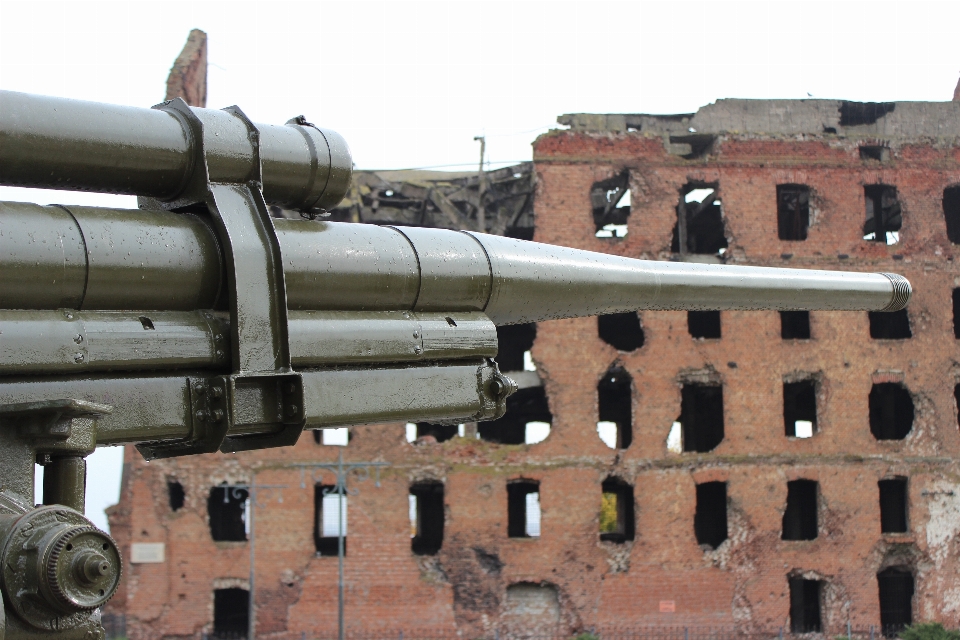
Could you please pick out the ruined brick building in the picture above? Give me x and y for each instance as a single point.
(750, 470)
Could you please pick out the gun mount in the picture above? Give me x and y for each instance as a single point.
(198, 323)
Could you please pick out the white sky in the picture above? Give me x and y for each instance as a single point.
(409, 84)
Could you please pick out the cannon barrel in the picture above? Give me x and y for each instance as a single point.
(89, 258)
(58, 143)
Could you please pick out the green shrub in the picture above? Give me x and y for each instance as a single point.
(929, 631)
(586, 635)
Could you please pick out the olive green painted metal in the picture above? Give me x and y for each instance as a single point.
(199, 323)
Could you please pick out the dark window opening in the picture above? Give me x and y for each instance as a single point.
(523, 509)
(615, 402)
(231, 613)
(442, 432)
(704, 324)
(956, 398)
(513, 342)
(896, 600)
(428, 522)
(951, 213)
(793, 211)
(610, 200)
(622, 331)
(525, 406)
(884, 215)
(874, 152)
(327, 523)
(699, 227)
(617, 521)
(226, 507)
(805, 606)
(891, 411)
(890, 325)
(795, 325)
(800, 408)
(710, 519)
(853, 114)
(701, 417)
(893, 505)
(956, 313)
(176, 493)
(800, 518)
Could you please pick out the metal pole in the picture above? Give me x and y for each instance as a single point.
(340, 482)
(251, 602)
(481, 188)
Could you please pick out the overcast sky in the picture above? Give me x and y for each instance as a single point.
(409, 84)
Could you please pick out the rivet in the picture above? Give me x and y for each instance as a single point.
(78, 358)
(416, 334)
(217, 415)
(417, 350)
(292, 410)
(78, 338)
(201, 415)
(219, 354)
(216, 392)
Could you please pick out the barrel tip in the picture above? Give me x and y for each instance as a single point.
(901, 292)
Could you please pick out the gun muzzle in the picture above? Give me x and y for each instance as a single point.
(111, 259)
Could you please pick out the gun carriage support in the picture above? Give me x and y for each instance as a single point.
(198, 323)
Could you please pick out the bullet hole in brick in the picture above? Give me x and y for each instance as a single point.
(610, 200)
(699, 228)
(622, 331)
(615, 403)
(176, 493)
(795, 325)
(890, 325)
(793, 211)
(525, 407)
(704, 324)
(805, 598)
(701, 417)
(442, 432)
(426, 502)
(896, 588)
(513, 342)
(884, 215)
(891, 411)
(710, 519)
(800, 408)
(893, 505)
(523, 509)
(231, 613)
(956, 313)
(854, 114)
(328, 521)
(951, 213)
(617, 520)
(874, 152)
(800, 518)
(226, 508)
(146, 323)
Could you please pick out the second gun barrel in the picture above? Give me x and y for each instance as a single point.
(88, 258)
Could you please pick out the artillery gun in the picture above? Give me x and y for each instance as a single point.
(198, 323)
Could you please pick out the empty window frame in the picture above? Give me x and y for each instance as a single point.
(891, 411)
(427, 514)
(704, 324)
(795, 325)
(699, 228)
(805, 598)
(514, 344)
(701, 417)
(622, 331)
(524, 408)
(617, 520)
(951, 213)
(226, 508)
(442, 432)
(889, 325)
(523, 509)
(877, 153)
(710, 519)
(328, 521)
(231, 613)
(800, 517)
(332, 437)
(884, 215)
(610, 200)
(956, 313)
(800, 408)
(176, 494)
(793, 211)
(893, 505)
(896, 586)
(615, 404)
